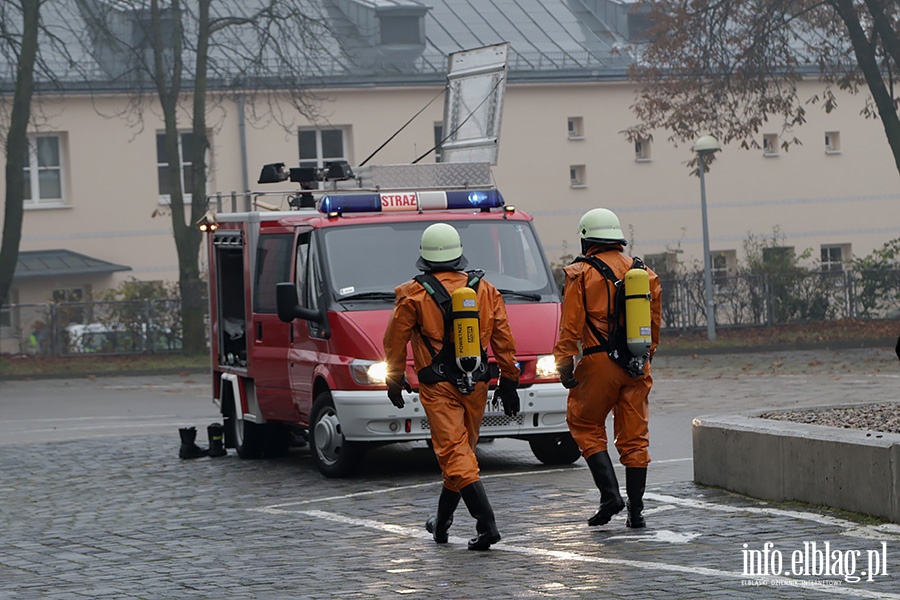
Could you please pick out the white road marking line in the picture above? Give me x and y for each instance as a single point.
(884, 531)
(575, 557)
(420, 485)
(280, 507)
(661, 535)
(658, 509)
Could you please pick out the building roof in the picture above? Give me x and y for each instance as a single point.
(54, 263)
(377, 42)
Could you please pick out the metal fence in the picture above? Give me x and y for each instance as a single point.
(99, 328)
(154, 326)
(783, 298)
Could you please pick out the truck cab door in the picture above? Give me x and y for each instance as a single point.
(309, 337)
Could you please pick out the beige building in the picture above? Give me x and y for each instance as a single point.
(96, 214)
(561, 153)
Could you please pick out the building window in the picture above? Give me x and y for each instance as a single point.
(642, 149)
(321, 146)
(770, 144)
(723, 263)
(833, 257)
(185, 147)
(778, 257)
(43, 172)
(664, 263)
(401, 29)
(71, 307)
(577, 176)
(832, 142)
(576, 128)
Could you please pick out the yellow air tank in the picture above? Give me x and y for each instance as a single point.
(466, 333)
(637, 311)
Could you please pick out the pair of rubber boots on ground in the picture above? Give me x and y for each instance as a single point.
(479, 507)
(189, 449)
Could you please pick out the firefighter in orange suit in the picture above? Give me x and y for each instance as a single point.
(454, 406)
(597, 384)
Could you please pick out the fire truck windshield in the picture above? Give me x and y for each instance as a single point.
(366, 262)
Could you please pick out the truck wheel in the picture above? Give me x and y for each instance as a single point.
(248, 437)
(333, 455)
(554, 448)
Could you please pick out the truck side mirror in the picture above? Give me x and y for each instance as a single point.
(288, 305)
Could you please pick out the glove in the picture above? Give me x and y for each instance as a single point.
(395, 393)
(567, 375)
(509, 397)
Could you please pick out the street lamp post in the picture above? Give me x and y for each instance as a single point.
(704, 147)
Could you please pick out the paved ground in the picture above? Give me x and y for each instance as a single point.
(94, 503)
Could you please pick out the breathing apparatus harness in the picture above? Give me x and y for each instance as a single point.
(628, 344)
(456, 361)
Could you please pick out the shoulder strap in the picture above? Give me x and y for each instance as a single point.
(436, 290)
(598, 264)
(440, 295)
(607, 272)
(475, 277)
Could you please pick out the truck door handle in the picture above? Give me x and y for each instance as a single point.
(259, 330)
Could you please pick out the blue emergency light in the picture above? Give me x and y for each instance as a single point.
(411, 201)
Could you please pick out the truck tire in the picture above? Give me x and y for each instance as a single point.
(332, 454)
(554, 448)
(247, 436)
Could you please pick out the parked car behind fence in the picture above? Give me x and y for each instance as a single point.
(101, 328)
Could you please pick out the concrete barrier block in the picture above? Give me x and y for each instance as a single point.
(849, 469)
(839, 468)
(737, 454)
(895, 471)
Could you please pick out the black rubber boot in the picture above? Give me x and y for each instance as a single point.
(635, 482)
(611, 502)
(480, 508)
(440, 523)
(216, 434)
(188, 448)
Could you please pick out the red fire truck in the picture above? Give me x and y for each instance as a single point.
(300, 300)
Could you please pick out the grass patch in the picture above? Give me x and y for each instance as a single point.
(16, 367)
(845, 331)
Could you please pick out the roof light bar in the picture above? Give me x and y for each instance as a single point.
(411, 201)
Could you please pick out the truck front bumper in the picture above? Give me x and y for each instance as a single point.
(368, 416)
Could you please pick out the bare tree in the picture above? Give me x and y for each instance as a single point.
(191, 55)
(25, 42)
(729, 66)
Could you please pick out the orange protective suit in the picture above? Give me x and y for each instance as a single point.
(603, 385)
(454, 419)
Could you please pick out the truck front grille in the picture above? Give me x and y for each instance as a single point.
(488, 421)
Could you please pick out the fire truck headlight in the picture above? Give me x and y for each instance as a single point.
(207, 222)
(367, 372)
(545, 367)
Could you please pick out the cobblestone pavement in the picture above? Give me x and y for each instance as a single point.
(120, 516)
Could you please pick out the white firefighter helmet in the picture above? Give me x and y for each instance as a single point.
(601, 225)
(440, 243)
